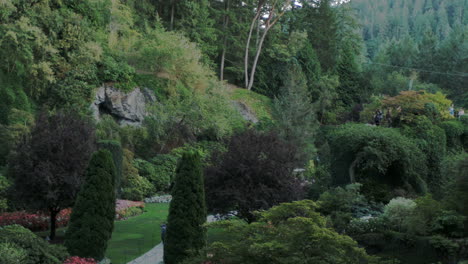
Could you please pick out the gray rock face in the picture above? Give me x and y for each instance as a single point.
(126, 108)
(245, 111)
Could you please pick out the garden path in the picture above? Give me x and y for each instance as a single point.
(155, 255)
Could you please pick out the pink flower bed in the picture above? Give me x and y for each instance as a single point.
(39, 221)
(78, 260)
(122, 205)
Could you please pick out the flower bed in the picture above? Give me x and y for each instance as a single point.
(78, 260)
(40, 221)
(126, 208)
(159, 199)
(34, 221)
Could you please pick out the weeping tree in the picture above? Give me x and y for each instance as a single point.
(48, 165)
(187, 213)
(92, 220)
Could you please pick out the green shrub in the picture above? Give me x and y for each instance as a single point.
(134, 186)
(4, 185)
(92, 220)
(448, 223)
(12, 254)
(427, 210)
(454, 131)
(116, 70)
(36, 248)
(138, 188)
(397, 211)
(431, 139)
(158, 175)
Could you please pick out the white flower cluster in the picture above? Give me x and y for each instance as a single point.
(159, 199)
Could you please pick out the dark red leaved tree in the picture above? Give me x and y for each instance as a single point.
(48, 166)
(256, 172)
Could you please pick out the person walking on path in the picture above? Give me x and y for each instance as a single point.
(461, 112)
(452, 110)
(378, 117)
(163, 232)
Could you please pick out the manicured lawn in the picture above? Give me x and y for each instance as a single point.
(134, 237)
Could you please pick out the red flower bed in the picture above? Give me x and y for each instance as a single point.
(34, 221)
(40, 221)
(78, 260)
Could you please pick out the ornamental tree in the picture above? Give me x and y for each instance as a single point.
(49, 164)
(256, 172)
(92, 220)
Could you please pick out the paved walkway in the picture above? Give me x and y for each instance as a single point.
(155, 255)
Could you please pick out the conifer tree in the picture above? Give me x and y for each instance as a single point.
(92, 220)
(187, 212)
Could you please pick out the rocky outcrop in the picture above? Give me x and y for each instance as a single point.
(245, 111)
(125, 108)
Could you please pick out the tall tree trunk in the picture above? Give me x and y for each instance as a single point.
(246, 57)
(171, 26)
(223, 54)
(254, 65)
(53, 220)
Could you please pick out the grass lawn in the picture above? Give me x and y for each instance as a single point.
(134, 237)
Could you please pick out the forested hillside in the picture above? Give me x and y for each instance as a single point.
(417, 40)
(320, 131)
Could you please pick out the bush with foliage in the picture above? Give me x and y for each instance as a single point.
(92, 220)
(159, 176)
(4, 186)
(24, 241)
(256, 172)
(397, 211)
(287, 233)
(11, 254)
(454, 131)
(431, 139)
(344, 204)
(380, 158)
(186, 234)
(134, 186)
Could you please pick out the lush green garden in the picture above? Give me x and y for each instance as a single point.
(329, 131)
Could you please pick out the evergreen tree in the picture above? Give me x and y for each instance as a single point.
(187, 212)
(117, 155)
(92, 220)
(295, 113)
